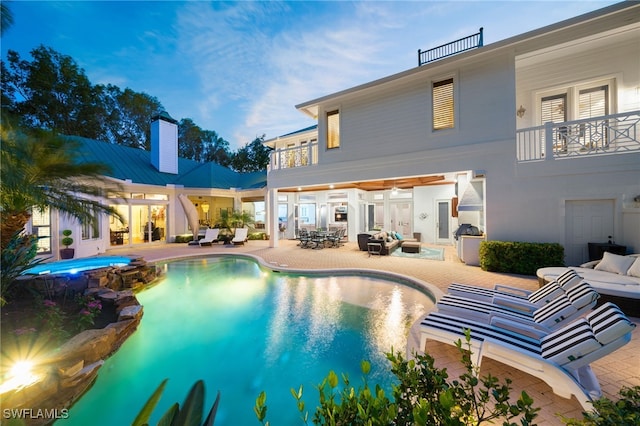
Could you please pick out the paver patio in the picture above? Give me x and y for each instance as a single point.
(621, 368)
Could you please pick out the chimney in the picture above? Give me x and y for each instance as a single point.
(164, 143)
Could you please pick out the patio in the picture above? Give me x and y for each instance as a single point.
(621, 368)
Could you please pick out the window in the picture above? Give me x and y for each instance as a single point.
(91, 230)
(333, 129)
(593, 102)
(554, 108)
(443, 106)
(41, 226)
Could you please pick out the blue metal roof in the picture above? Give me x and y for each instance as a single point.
(135, 164)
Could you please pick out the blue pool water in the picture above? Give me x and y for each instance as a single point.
(74, 266)
(242, 330)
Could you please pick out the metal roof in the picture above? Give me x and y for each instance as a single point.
(135, 164)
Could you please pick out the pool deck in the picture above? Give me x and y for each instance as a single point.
(621, 368)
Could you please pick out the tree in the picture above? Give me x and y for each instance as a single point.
(41, 169)
(216, 148)
(127, 116)
(253, 157)
(52, 92)
(190, 140)
(7, 17)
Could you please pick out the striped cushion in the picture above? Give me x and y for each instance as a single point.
(481, 332)
(582, 295)
(554, 312)
(609, 323)
(475, 308)
(477, 291)
(568, 279)
(546, 293)
(569, 343)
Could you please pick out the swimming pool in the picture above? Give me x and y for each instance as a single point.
(243, 329)
(73, 266)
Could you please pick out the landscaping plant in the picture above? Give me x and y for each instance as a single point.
(624, 412)
(423, 395)
(190, 414)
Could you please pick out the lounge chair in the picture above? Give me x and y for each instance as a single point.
(240, 236)
(561, 310)
(517, 296)
(561, 358)
(210, 236)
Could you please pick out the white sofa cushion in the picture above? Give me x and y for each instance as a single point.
(634, 270)
(615, 263)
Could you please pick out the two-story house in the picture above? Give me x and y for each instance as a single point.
(533, 138)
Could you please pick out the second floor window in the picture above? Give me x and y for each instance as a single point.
(443, 106)
(333, 129)
(553, 108)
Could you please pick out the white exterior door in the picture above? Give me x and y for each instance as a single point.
(401, 219)
(586, 221)
(443, 227)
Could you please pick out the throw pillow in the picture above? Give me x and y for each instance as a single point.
(398, 235)
(615, 263)
(634, 270)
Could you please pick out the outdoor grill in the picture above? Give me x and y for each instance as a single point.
(466, 229)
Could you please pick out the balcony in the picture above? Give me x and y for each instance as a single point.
(296, 156)
(606, 135)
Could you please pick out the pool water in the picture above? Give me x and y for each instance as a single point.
(74, 266)
(243, 330)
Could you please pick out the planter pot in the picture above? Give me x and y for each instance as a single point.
(67, 253)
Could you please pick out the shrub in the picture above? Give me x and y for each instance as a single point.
(624, 412)
(90, 308)
(422, 396)
(519, 257)
(17, 257)
(257, 236)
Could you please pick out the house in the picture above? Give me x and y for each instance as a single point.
(533, 138)
(150, 183)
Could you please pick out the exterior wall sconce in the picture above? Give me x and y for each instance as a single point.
(520, 112)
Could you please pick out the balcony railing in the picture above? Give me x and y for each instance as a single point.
(611, 134)
(296, 156)
(465, 43)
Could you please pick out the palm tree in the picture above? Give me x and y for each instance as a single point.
(41, 169)
(235, 219)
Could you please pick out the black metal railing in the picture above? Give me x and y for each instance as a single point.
(452, 48)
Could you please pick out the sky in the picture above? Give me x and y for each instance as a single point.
(239, 68)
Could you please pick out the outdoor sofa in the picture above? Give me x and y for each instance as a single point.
(388, 240)
(616, 278)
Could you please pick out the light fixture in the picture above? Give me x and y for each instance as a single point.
(205, 207)
(520, 112)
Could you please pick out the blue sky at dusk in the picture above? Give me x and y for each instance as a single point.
(239, 68)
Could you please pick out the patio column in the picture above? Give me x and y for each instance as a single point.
(272, 220)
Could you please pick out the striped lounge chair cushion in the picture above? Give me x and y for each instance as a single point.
(568, 279)
(582, 294)
(481, 332)
(475, 308)
(609, 323)
(569, 343)
(546, 293)
(539, 297)
(555, 312)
